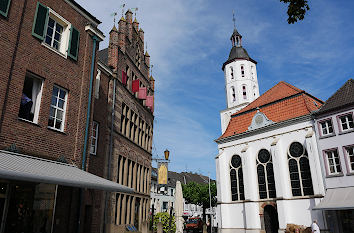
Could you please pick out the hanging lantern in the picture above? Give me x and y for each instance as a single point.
(167, 154)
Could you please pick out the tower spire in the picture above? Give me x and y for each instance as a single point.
(233, 19)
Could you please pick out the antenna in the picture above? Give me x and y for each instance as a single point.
(233, 18)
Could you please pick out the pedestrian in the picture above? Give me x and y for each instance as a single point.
(314, 227)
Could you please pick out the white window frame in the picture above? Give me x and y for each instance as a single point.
(327, 122)
(347, 157)
(38, 101)
(94, 138)
(346, 121)
(332, 154)
(56, 107)
(65, 36)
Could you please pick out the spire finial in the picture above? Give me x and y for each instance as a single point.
(135, 10)
(233, 18)
(114, 14)
(122, 6)
(151, 69)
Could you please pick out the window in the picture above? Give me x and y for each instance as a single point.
(236, 176)
(94, 138)
(299, 169)
(4, 7)
(232, 73)
(252, 68)
(266, 182)
(346, 122)
(332, 162)
(326, 127)
(97, 84)
(233, 94)
(349, 152)
(244, 92)
(31, 98)
(164, 206)
(58, 108)
(242, 70)
(55, 32)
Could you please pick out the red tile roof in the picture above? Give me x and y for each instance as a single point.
(281, 102)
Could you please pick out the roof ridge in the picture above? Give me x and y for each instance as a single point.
(342, 87)
(291, 86)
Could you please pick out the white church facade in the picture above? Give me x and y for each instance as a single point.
(268, 168)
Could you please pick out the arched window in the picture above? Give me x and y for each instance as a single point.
(242, 70)
(236, 176)
(233, 94)
(254, 90)
(299, 168)
(232, 72)
(244, 92)
(266, 183)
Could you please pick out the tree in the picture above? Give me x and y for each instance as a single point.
(296, 9)
(164, 217)
(198, 194)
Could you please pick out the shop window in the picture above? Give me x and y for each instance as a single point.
(299, 169)
(332, 162)
(266, 182)
(94, 138)
(346, 122)
(55, 32)
(326, 127)
(58, 108)
(236, 177)
(31, 98)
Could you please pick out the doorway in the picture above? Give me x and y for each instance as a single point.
(271, 223)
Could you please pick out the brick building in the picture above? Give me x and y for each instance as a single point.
(123, 154)
(46, 68)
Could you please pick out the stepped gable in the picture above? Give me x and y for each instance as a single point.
(344, 97)
(281, 102)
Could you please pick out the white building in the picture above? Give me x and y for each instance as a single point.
(335, 134)
(268, 168)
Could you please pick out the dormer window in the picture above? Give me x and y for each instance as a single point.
(232, 72)
(242, 70)
(244, 92)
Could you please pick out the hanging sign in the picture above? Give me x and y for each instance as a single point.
(162, 172)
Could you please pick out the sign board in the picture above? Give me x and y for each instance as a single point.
(162, 172)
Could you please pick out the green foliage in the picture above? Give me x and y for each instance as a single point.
(296, 9)
(198, 194)
(165, 219)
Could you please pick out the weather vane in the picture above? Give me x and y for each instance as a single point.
(233, 18)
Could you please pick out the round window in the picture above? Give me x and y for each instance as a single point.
(296, 149)
(236, 161)
(263, 156)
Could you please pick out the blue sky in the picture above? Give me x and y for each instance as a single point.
(188, 42)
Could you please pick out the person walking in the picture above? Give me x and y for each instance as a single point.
(314, 227)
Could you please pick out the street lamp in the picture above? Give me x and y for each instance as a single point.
(167, 154)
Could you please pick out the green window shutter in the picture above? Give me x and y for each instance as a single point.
(4, 7)
(40, 21)
(73, 49)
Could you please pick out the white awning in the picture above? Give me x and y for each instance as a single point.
(336, 199)
(16, 166)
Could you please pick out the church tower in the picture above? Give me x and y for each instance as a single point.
(241, 85)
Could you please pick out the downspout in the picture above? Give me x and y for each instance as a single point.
(110, 150)
(83, 166)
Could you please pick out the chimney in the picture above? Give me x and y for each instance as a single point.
(136, 25)
(113, 48)
(141, 34)
(128, 18)
(122, 33)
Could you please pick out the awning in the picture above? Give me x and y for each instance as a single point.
(336, 199)
(16, 166)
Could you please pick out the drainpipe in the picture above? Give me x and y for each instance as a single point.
(110, 149)
(83, 166)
